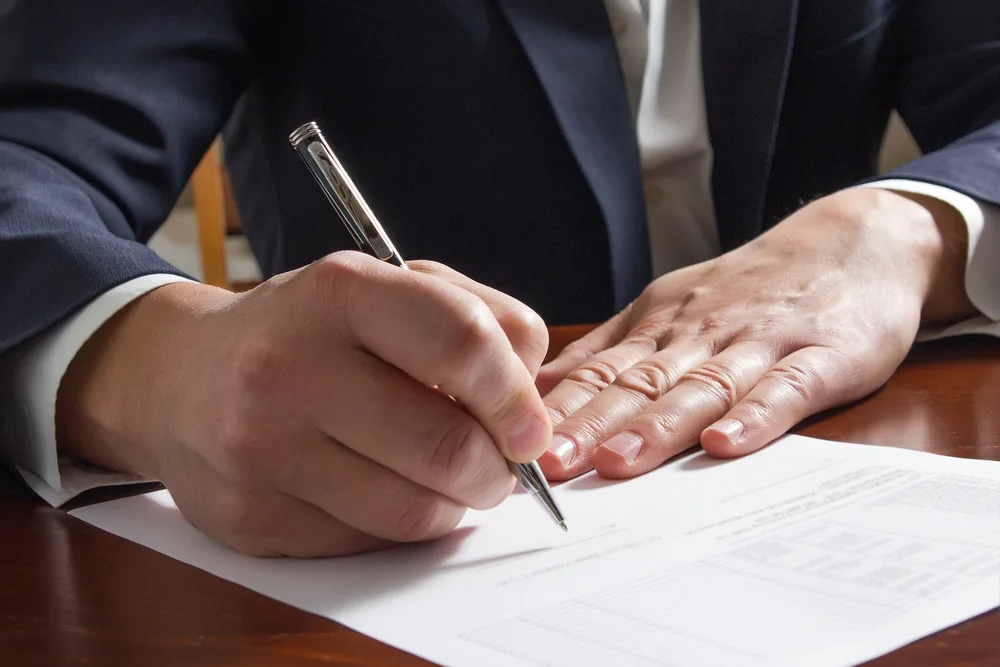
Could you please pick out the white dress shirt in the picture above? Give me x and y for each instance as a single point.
(659, 43)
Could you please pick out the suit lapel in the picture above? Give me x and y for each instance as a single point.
(570, 45)
(746, 52)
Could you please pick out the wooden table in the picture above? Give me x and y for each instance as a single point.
(73, 595)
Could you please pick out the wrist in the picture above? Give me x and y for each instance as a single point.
(117, 400)
(917, 242)
(941, 235)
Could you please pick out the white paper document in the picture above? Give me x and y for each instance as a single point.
(805, 553)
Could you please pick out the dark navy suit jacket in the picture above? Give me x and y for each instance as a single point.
(492, 135)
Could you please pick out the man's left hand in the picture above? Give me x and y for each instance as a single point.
(732, 353)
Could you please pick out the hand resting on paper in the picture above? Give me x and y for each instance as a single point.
(731, 353)
(301, 418)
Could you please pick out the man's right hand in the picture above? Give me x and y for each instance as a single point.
(335, 409)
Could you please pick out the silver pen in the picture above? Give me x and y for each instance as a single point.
(309, 142)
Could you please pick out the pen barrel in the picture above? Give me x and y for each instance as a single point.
(312, 147)
(528, 476)
(532, 479)
(309, 142)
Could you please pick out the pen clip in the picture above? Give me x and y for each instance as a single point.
(344, 196)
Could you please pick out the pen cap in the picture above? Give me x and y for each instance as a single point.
(309, 142)
(308, 131)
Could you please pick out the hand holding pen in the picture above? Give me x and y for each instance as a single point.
(372, 239)
(353, 405)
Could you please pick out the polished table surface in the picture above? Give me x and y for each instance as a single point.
(71, 594)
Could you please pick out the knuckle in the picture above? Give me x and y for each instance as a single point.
(759, 410)
(465, 459)
(425, 517)
(458, 454)
(652, 332)
(239, 454)
(652, 336)
(651, 378)
(241, 444)
(527, 328)
(660, 427)
(802, 380)
(594, 376)
(472, 332)
(586, 427)
(772, 326)
(576, 351)
(333, 274)
(710, 324)
(719, 378)
(337, 267)
(336, 282)
(574, 354)
(559, 413)
(240, 449)
(693, 295)
(261, 364)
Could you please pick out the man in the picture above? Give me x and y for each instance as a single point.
(699, 175)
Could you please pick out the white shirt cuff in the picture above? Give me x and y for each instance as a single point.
(29, 381)
(982, 271)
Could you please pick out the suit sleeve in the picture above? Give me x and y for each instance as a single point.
(105, 109)
(948, 92)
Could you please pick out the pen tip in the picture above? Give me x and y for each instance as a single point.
(562, 524)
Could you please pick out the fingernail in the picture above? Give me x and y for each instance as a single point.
(730, 428)
(564, 448)
(627, 444)
(527, 437)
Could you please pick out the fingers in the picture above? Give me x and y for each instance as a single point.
(581, 385)
(353, 350)
(412, 430)
(576, 353)
(525, 330)
(597, 373)
(364, 495)
(264, 522)
(805, 382)
(674, 422)
(413, 453)
(287, 527)
(633, 390)
(442, 336)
